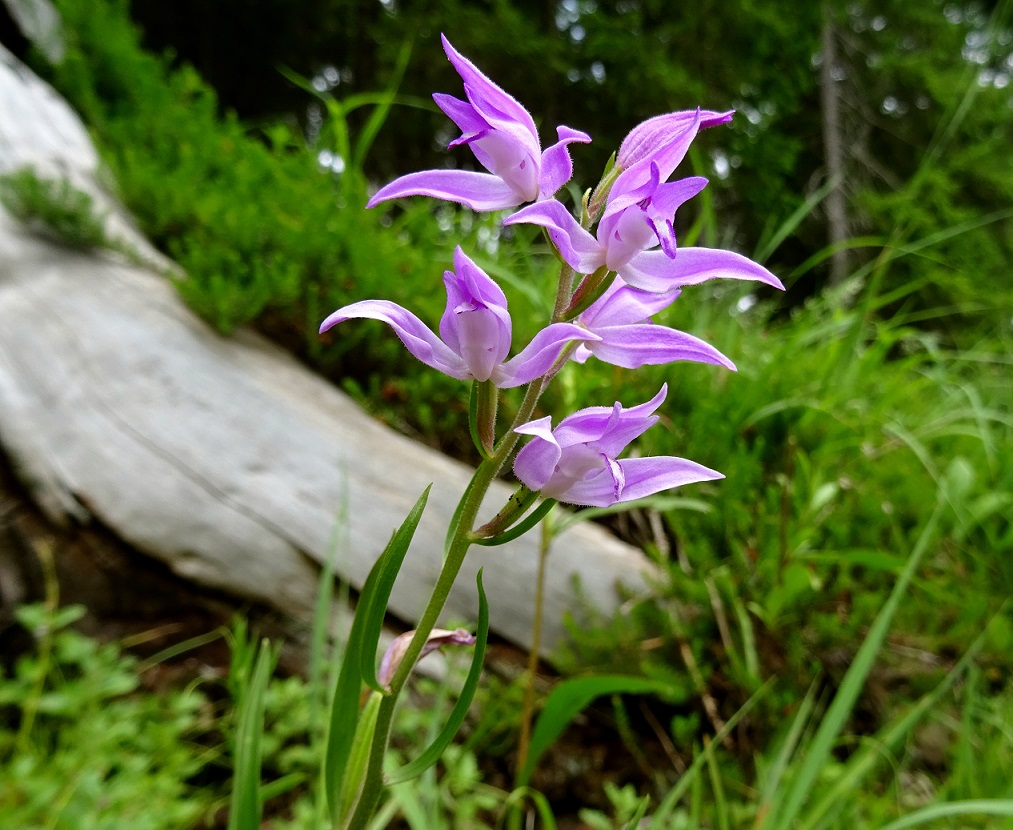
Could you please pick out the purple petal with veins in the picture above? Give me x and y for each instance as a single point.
(655, 271)
(576, 462)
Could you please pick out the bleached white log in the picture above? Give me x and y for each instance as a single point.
(225, 458)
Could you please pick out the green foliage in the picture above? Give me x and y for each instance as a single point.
(834, 433)
(80, 748)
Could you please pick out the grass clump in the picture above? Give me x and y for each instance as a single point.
(55, 206)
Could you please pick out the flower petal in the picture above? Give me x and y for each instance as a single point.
(488, 98)
(640, 477)
(609, 428)
(650, 137)
(654, 271)
(623, 305)
(557, 166)
(576, 246)
(478, 191)
(538, 356)
(647, 476)
(416, 335)
(464, 115)
(536, 461)
(645, 344)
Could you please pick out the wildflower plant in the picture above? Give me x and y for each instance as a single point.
(620, 265)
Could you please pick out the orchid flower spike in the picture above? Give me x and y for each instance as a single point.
(621, 318)
(502, 135)
(576, 462)
(475, 330)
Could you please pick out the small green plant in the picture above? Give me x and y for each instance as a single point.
(55, 206)
(81, 747)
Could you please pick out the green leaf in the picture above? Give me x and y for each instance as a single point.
(354, 774)
(375, 596)
(435, 750)
(981, 807)
(345, 707)
(521, 527)
(567, 700)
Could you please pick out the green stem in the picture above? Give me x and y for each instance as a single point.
(458, 546)
(563, 293)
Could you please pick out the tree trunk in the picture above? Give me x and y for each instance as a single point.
(833, 148)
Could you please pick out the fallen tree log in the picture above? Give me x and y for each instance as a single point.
(225, 458)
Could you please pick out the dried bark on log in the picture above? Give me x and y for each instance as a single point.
(224, 458)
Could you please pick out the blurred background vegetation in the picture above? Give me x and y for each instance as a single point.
(869, 165)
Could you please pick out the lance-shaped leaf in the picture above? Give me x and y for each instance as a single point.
(361, 650)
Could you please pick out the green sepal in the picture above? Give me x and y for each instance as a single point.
(519, 529)
(345, 706)
(376, 599)
(450, 729)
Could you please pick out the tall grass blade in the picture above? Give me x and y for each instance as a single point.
(864, 761)
(691, 776)
(980, 807)
(567, 700)
(245, 804)
(836, 717)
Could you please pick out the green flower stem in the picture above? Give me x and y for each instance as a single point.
(456, 550)
(589, 292)
(488, 398)
(601, 193)
(563, 293)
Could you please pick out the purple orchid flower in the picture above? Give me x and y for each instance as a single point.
(438, 638)
(576, 462)
(475, 327)
(630, 339)
(633, 223)
(663, 140)
(639, 215)
(502, 135)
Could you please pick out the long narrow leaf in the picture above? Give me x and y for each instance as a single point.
(981, 807)
(345, 705)
(861, 763)
(379, 114)
(376, 602)
(567, 700)
(450, 729)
